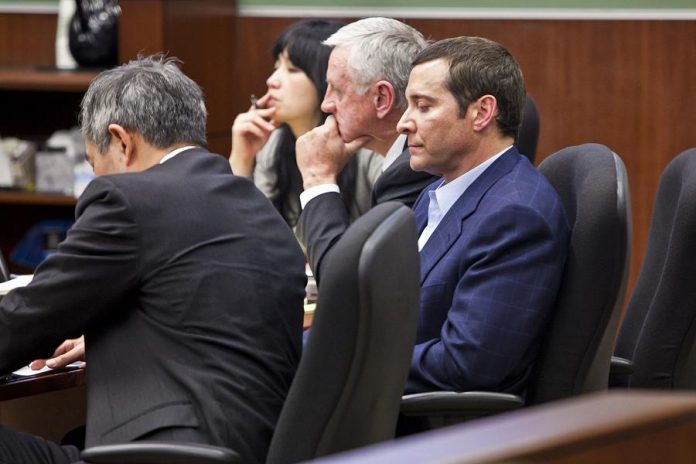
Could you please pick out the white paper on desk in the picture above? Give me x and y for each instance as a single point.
(19, 281)
(27, 371)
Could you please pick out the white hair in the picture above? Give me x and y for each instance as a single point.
(380, 48)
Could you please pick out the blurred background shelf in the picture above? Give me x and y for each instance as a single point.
(27, 198)
(51, 80)
(36, 99)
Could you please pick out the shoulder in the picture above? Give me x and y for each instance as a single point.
(100, 190)
(525, 184)
(525, 196)
(107, 207)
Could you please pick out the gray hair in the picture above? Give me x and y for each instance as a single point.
(380, 48)
(150, 96)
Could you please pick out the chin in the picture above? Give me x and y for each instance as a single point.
(347, 138)
(415, 165)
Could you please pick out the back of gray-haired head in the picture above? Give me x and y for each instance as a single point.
(380, 48)
(149, 96)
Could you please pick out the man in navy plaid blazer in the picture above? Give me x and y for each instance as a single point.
(493, 233)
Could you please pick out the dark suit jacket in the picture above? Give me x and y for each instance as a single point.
(324, 219)
(173, 276)
(490, 273)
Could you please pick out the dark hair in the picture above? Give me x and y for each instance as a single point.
(479, 67)
(303, 42)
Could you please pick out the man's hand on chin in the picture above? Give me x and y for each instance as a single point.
(322, 154)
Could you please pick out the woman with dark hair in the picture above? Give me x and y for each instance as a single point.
(263, 138)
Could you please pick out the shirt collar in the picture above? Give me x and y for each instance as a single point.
(447, 194)
(396, 149)
(173, 153)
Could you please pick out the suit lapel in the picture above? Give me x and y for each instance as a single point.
(450, 228)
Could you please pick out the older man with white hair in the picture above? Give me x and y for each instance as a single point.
(367, 77)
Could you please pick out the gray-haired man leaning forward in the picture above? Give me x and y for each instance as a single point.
(367, 76)
(171, 273)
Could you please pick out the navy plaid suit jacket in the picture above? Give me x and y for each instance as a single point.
(490, 273)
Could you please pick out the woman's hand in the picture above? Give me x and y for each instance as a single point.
(250, 132)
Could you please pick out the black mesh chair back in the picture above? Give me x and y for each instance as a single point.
(348, 386)
(528, 133)
(659, 328)
(575, 356)
(4, 270)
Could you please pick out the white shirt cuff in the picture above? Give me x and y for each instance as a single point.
(315, 191)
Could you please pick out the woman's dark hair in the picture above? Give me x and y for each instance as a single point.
(303, 42)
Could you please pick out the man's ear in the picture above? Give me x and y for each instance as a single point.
(485, 110)
(384, 98)
(125, 141)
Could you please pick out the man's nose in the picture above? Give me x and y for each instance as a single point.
(328, 105)
(405, 124)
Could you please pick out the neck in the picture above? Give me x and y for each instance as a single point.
(149, 156)
(484, 150)
(385, 134)
(382, 145)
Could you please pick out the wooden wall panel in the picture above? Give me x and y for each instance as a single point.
(625, 84)
(141, 29)
(202, 35)
(204, 39)
(27, 39)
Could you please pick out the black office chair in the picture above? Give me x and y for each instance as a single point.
(348, 386)
(4, 271)
(658, 334)
(528, 133)
(577, 346)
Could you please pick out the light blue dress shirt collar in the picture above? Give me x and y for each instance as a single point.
(446, 194)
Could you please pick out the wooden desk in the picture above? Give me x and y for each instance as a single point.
(44, 383)
(48, 405)
(620, 426)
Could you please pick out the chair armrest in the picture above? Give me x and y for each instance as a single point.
(620, 371)
(621, 366)
(154, 452)
(467, 404)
